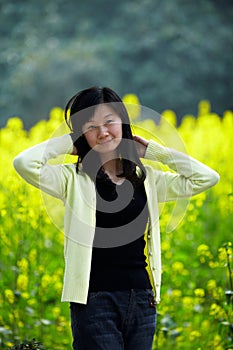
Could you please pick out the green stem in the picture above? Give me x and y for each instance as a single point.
(229, 268)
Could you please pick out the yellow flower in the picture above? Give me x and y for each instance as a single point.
(217, 342)
(194, 335)
(222, 254)
(32, 302)
(41, 268)
(9, 343)
(58, 286)
(23, 265)
(20, 324)
(22, 282)
(199, 292)
(191, 217)
(170, 117)
(46, 280)
(213, 264)
(3, 212)
(205, 325)
(217, 311)
(32, 255)
(56, 114)
(9, 295)
(200, 199)
(25, 295)
(188, 302)
(165, 245)
(132, 105)
(211, 285)
(178, 266)
(176, 293)
(224, 251)
(203, 249)
(14, 124)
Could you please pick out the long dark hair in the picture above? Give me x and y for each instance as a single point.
(79, 109)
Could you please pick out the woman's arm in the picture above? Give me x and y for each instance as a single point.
(32, 165)
(191, 176)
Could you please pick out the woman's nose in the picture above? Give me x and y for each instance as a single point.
(102, 131)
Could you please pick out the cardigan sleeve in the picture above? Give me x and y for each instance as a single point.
(187, 178)
(32, 166)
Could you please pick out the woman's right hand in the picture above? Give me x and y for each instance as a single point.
(75, 151)
(74, 138)
(141, 145)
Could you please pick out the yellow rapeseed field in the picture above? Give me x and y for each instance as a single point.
(196, 307)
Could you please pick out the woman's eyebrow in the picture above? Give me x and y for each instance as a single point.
(108, 115)
(91, 120)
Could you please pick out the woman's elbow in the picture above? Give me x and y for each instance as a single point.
(18, 164)
(21, 166)
(214, 179)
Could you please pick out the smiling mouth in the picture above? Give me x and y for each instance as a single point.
(104, 142)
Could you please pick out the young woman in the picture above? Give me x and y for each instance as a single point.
(112, 241)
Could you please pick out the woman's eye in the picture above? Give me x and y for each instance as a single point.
(91, 127)
(109, 121)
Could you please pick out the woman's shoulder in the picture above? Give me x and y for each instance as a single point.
(73, 169)
(154, 171)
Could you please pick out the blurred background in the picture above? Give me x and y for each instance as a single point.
(175, 56)
(171, 54)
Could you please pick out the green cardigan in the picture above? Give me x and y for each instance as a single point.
(77, 191)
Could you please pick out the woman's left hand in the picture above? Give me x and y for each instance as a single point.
(141, 145)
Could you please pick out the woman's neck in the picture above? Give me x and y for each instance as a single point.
(113, 168)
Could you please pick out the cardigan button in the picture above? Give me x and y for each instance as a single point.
(148, 236)
(150, 253)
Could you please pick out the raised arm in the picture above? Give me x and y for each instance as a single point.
(32, 166)
(191, 176)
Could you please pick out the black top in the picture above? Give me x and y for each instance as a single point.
(118, 260)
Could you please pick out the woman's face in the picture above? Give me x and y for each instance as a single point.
(103, 131)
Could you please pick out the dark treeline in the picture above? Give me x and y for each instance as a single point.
(170, 53)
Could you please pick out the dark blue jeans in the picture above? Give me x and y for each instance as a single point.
(114, 320)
